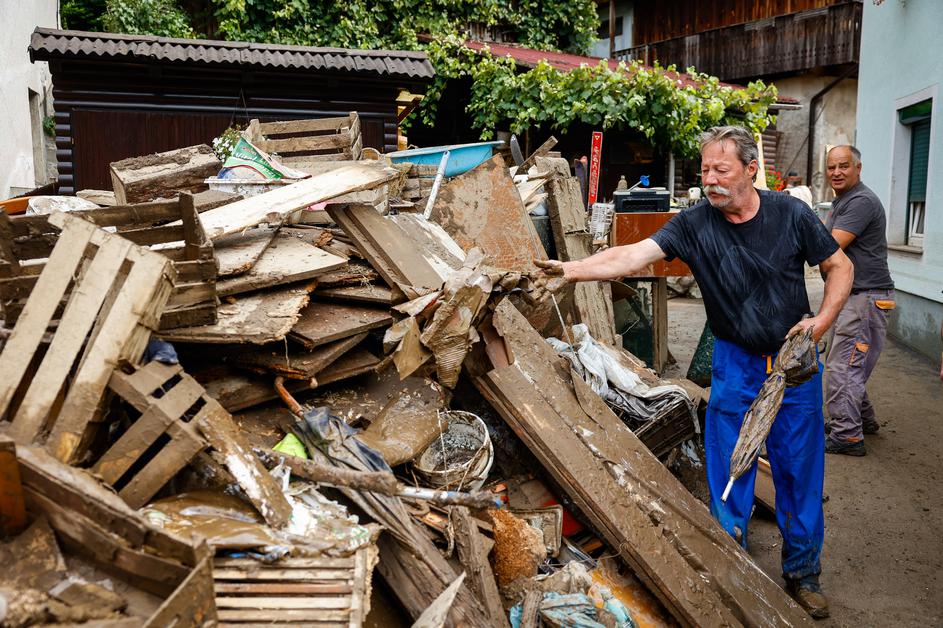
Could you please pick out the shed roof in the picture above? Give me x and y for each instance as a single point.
(49, 44)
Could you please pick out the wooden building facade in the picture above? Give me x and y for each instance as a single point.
(119, 96)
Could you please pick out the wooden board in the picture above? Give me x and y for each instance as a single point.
(275, 206)
(109, 315)
(237, 391)
(295, 591)
(659, 529)
(237, 253)
(256, 319)
(300, 142)
(369, 293)
(296, 364)
(483, 208)
(764, 491)
(474, 558)
(592, 301)
(163, 175)
(322, 322)
(287, 259)
(389, 249)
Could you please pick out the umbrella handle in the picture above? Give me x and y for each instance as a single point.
(723, 497)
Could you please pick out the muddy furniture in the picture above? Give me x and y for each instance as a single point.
(170, 227)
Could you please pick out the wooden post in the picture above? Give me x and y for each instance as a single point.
(12, 507)
(612, 29)
(659, 323)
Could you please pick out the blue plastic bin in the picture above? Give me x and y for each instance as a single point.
(462, 157)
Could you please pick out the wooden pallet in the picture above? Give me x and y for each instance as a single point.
(178, 420)
(318, 591)
(27, 241)
(305, 141)
(115, 292)
(90, 521)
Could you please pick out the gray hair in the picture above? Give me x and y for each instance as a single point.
(855, 153)
(741, 138)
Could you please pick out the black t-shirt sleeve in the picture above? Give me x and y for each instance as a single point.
(817, 243)
(671, 238)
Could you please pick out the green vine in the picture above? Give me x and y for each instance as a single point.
(652, 101)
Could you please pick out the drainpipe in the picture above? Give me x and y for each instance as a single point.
(812, 105)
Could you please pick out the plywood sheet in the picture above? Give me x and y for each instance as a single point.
(483, 208)
(287, 259)
(238, 252)
(257, 318)
(369, 293)
(322, 322)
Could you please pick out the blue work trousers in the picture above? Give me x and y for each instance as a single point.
(796, 450)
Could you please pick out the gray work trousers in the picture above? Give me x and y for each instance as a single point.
(856, 346)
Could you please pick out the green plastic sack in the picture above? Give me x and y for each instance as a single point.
(291, 446)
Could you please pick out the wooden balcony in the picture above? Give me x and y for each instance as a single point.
(796, 42)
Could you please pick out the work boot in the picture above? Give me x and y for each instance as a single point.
(855, 448)
(870, 427)
(807, 592)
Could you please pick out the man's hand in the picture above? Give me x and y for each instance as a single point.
(818, 328)
(550, 278)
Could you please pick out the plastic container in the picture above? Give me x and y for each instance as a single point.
(461, 457)
(462, 157)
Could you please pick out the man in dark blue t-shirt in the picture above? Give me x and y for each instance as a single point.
(748, 250)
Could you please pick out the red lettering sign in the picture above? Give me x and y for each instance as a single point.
(595, 157)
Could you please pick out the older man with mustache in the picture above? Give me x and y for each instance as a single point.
(748, 250)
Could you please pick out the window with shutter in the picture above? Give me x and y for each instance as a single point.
(917, 117)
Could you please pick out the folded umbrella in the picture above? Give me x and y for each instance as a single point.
(796, 364)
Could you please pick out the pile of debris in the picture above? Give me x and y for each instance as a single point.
(232, 404)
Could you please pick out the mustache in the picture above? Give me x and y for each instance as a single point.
(716, 189)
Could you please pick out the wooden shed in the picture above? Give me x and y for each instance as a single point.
(119, 96)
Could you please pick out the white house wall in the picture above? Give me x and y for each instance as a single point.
(17, 78)
(902, 64)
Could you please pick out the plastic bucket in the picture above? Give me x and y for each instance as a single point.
(461, 457)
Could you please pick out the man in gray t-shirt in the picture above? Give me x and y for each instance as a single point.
(858, 224)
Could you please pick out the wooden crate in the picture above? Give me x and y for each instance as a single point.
(114, 292)
(26, 242)
(317, 592)
(305, 141)
(94, 523)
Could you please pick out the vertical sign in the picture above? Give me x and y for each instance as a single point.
(594, 160)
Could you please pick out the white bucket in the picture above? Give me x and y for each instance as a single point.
(467, 458)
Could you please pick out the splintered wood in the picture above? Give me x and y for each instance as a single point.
(163, 175)
(321, 323)
(659, 529)
(319, 591)
(118, 294)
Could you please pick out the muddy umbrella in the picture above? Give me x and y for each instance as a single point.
(796, 364)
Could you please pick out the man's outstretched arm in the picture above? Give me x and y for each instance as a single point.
(839, 274)
(610, 264)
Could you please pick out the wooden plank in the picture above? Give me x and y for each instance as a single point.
(304, 126)
(12, 506)
(192, 603)
(474, 559)
(388, 249)
(274, 206)
(660, 324)
(22, 344)
(284, 588)
(659, 529)
(260, 488)
(764, 490)
(237, 253)
(77, 320)
(279, 603)
(321, 323)
(113, 342)
(297, 364)
(369, 293)
(273, 574)
(541, 151)
(141, 179)
(308, 143)
(292, 616)
(482, 208)
(287, 259)
(175, 455)
(257, 318)
(315, 562)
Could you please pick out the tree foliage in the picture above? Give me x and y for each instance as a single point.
(163, 18)
(653, 101)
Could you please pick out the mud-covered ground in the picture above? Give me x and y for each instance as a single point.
(883, 556)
